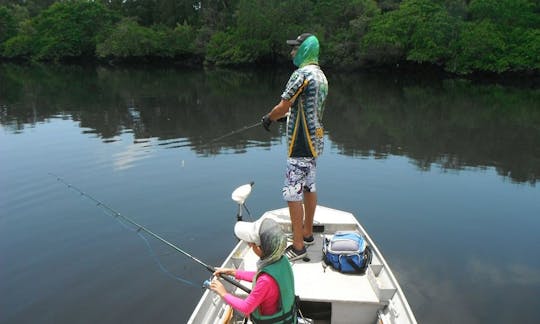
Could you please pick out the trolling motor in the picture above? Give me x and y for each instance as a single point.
(240, 195)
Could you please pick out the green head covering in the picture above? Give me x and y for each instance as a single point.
(308, 52)
(273, 242)
(267, 234)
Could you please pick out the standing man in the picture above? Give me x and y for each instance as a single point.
(304, 97)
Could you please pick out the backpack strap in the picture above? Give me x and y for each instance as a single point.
(367, 256)
(350, 261)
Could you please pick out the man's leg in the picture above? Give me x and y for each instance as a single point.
(310, 203)
(310, 199)
(296, 210)
(293, 194)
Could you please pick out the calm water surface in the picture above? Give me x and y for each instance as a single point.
(442, 172)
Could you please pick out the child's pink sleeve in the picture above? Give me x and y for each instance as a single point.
(245, 275)
(265, 289)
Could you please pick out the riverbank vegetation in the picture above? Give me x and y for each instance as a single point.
(459, 36)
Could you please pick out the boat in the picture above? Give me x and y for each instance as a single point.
(326, 295)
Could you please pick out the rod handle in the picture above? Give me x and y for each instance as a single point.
(236, 283)
(229, 279)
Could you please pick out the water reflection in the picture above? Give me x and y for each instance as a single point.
(454, 124)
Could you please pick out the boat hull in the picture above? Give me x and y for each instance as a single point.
(327, 296)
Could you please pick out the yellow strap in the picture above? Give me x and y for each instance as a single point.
(304, 84)
(294, 134)
(306, 131)
(318, 132)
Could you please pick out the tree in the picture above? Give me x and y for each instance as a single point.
(20, 44)
(67, 30)
(259, 31)
(8, 25)
(344, 24)
(463, 36)
(128, 39)
(506, 13)
(481, 47)
(419, 31)
(502, 35)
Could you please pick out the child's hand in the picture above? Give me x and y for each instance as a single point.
(218, 287)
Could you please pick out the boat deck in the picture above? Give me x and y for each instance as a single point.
(315, 281)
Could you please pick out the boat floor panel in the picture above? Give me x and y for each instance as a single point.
(314, 281)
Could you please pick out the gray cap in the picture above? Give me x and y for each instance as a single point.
(299, 40)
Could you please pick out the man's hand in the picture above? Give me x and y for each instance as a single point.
(266, 122)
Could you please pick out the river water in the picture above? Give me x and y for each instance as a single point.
(441, 172)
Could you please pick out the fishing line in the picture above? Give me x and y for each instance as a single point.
(154, 254)
(140, 228)
(219, 138)
(247, 210)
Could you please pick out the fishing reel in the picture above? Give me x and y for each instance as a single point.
(206, 284)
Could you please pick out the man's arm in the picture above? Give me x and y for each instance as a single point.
(280, 110)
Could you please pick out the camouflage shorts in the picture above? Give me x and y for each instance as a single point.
(300, 178)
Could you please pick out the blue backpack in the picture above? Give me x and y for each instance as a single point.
(347, 252)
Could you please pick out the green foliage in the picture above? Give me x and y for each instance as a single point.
(456, 8)
(182, 39)
(388, 5)
(480, 47)
(524, 49)
(485, 46)
(33, 7)
(69, 29)
(260, 32)
(384, 42)
(64, 30)
(12, 20)
(463, 36)
(223, 49)
(129, 39)
(507, 13)
(8, 24)
(344, 24)
(21, 45)
(419, 31)
(254, 29)
(170, 13)
(503, 35)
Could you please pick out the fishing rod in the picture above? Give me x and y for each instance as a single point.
(233, 132)
(146, 230)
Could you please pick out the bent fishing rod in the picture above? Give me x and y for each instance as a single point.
(140, 228)
(239, 130)
(233, 133)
